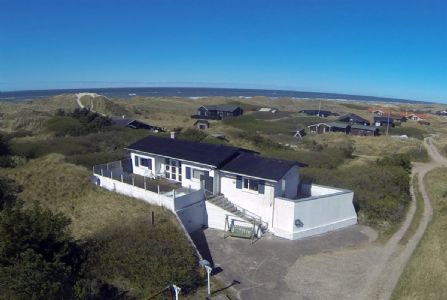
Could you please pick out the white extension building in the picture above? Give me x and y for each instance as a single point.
(220, 187)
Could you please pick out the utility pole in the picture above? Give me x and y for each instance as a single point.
(388, 122)
(319, 109)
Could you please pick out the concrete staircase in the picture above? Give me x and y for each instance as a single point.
(227, 205)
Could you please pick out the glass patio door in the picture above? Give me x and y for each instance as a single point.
(173, 169)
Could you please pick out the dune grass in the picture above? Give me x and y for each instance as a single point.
(126, 250)
(425, 276)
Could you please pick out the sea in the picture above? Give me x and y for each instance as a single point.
(192, 93)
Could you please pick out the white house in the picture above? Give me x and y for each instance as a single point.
(231, 186)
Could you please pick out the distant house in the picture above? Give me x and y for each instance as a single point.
(441, 112)
(422, 122)
(329, 127)
(384, 121)
(399, 119)
(136, 124)
(218, 112)
(353, 119)
(317, 112)
(319, 128)
(363, 130)
(351, 129)
(416, 116)
(202, 124)
(268, 109)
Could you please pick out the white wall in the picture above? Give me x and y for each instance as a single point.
(188, 199)
(214, 216)
(292, 180)
(259, 204)
(318, 215)
(192, 216)
(132, 191)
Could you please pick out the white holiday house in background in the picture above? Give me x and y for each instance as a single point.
(223, 185)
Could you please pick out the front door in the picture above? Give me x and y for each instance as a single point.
(206, 183)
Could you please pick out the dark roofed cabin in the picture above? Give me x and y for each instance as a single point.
(354, 119)
(362, 130)
(384, 121)
(319, 113)
(135, 124)
(218, 112)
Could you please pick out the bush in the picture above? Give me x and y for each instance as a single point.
(381, 190)
(87, 150)
(192, 134)
(38, 257)
(78, 122)
(400, 160)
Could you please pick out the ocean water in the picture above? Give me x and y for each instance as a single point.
(190, 92)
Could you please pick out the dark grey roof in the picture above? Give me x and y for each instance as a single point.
(353, 117)
(121, 121)
(221, 107)
(260, 167)
(231, 159)
(316, 111)
(338, 125)
(383, 119)
(364, 127)
(208, 154)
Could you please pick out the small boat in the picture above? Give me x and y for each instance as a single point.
(132, 94)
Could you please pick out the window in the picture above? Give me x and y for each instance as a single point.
(251, 184)
(146, 162)
(197, 173)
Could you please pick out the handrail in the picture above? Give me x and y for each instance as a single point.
(245, 211)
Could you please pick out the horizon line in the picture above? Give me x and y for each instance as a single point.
(231, 88)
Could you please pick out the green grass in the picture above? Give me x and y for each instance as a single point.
(425, 276)
(125, 249)
(413, 132)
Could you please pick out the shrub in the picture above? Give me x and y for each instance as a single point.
(192, 134)
(402, 160)
(38, 257)
(381, 190)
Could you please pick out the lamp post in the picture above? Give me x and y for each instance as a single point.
(206, 265)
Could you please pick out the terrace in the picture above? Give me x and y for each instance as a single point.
(118, 176)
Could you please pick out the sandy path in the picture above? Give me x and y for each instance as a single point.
(388, 272)
(93, 95)
(364, 272)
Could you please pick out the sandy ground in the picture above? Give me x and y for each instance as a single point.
(346, 264)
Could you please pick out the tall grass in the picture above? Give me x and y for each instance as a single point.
(425, 276)
(125, 249)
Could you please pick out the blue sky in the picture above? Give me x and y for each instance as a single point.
(380, 48)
